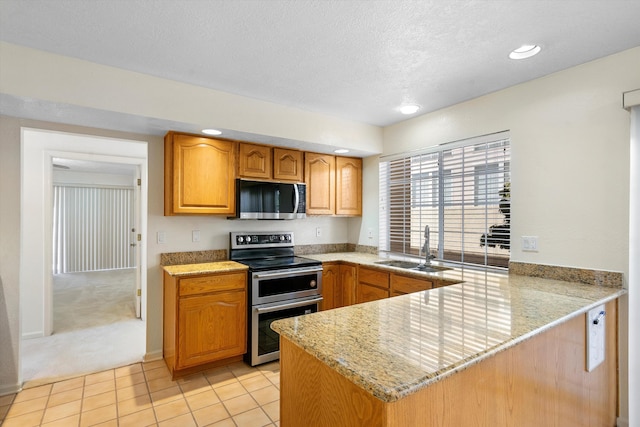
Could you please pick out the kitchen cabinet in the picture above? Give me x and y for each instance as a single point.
(254, 161)
(199, 175)
(348, 186)
(288, 165)
(205, 320)
(320, 177)
(400, 285)
(334, 185)
(338, 285)
(372, 285)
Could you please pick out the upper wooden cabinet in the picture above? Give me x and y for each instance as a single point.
(334, 185)
(348, 186)
(199, 175)
(320, 177)
(254, 161)
(288, 165)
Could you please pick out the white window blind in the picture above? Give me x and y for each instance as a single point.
(460, 190)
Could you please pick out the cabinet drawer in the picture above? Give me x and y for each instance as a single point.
(407, 285)
(213, 283)
(366, 293)
(373, 277)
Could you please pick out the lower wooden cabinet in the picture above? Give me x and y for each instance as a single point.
(401, 285)
(205, 319)
(347, 285)
(338, 285)
(372, 285)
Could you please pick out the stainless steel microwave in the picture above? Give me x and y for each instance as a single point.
(270, 200)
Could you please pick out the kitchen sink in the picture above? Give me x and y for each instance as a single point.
(410, 265)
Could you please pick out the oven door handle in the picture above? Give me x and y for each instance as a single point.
(279, 307)
(286, 273)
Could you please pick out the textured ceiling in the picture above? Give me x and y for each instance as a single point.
(358, 60)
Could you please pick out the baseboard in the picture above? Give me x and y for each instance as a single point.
(621, 422)
(151, 356)
(31, 335)
(10, 389)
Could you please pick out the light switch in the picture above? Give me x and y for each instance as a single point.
(595, 337)
(530, 243)
(162, 237)
(195, 235)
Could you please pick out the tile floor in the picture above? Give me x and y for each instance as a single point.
(143, 394)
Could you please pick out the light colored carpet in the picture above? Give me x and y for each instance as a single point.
(94, 324)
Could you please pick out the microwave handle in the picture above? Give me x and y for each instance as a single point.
(296, 198)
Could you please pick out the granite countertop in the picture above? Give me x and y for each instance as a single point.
(396, 346)
(204, 268)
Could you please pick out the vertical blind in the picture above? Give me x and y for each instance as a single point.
(92, 228)
(460, 190)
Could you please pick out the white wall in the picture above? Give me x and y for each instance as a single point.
(570, 163)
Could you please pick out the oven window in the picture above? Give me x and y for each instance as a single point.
(269, 340)
(285, 285)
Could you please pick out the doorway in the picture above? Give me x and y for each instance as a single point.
(106, 335)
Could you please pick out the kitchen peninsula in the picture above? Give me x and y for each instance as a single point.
(493, 350)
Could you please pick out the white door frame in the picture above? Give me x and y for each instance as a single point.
(38, 148)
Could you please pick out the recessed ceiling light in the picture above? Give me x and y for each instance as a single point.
(211, 132)
(525, 51)
(409, 109)
(341, 151)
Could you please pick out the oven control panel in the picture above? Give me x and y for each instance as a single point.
(261, 239)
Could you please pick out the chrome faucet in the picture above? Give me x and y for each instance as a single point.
(425, 248)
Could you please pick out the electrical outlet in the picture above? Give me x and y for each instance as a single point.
(162, 237)
(370, 233)
(530, 243)
(318, 232)
(195, 236)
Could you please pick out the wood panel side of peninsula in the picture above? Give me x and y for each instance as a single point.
(539, 382)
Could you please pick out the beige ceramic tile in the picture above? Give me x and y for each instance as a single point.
(255, 383)
(224, 423)
(266, 395)
(160, 384)
(153, 365)
(253, 418)
(230, 391)
(24, 420)
(61, 411)
(33, 393)
(7, 400)
(201, 400)
(110, 423)
(132, 391)
(240, 404)
(242, 370)
(3, 411)
(210, 414)
(221, 378)
(100, 415)
(194, 385)
(99, 377)
(98, 388)
(273, 410)
(67, 385)
(129, 380)
(166, 395)
(25, 407)
(73, 420)
(185, 420)
(138, 419)
(136, 404)
(128, 370)
(161, 372)
(171, 409)
(65, 397)
(98, 401)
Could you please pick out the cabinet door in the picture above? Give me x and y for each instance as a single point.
(348, 186)
(330, 278)
(287, 165)
(211, 327)
(406, 285)
(254, 161)
(366, 293)
(347, 286)
(199, 175)
(319, 172)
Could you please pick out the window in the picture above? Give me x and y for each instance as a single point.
(461, 190)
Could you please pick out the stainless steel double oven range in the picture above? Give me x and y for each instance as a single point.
(280, 285)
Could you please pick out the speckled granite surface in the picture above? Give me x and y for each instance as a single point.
(177, 258)
(204, 268)
(570, 274)
(394, 347)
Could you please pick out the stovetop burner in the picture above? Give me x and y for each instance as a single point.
(263, 251)
(276, 263)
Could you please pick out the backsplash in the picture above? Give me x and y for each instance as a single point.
(195, 257)
(610, 279)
